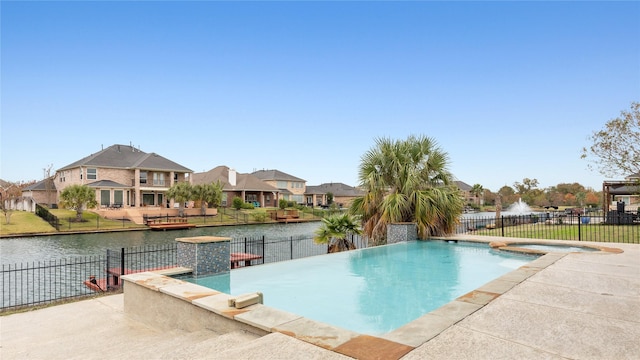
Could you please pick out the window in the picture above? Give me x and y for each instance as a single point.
(104, 197)
(158, 179)
(92, 174)
(143, 177)
(282, 184)
(117, 197)
(175, 177)
(148, 199)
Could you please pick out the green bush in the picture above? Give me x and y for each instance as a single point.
(237, 203)
(248, 206)
(282, 204)
(259, 216)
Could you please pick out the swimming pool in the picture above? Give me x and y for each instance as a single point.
(375, 290)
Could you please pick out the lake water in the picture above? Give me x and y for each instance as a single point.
(41, 248)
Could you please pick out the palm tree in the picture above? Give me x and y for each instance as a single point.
(207, 194)
(407, 181)
(77, 197)
(180, 192)
(335, 231)
(477, 190)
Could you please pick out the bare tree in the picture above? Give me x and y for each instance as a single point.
(616, 148)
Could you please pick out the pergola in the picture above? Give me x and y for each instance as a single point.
(618, 187)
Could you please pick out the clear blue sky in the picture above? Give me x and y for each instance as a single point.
(510, 90)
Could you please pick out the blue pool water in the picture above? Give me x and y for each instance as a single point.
(374, 290)
(556, 248)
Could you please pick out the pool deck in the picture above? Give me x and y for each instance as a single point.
(577, 305)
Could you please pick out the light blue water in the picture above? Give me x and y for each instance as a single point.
(555, 248)
(374, 290)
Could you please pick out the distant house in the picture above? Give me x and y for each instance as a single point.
(343, 194)
(465, 189)
(42, 192)
(627, 191)
(124, 176)
(246, 186)
(290, 187)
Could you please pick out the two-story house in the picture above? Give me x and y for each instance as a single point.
(290, 188)
(245, 186)
(124, 176)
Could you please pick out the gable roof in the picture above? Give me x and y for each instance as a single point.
(337, 189)
(246, 182)
(275, 175)
(127, 157)
(463, 186)
(42, 186)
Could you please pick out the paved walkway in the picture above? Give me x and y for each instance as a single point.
(583, 306)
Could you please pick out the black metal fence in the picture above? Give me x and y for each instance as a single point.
(611, 227)
(32, 284)
(47, 216)
(274, 250)
(37, 283)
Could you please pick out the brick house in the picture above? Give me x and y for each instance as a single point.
(246, 186)
(124, 177)
(343, 194)
(290, 188)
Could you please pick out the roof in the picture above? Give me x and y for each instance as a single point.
(42, 185)
(107, 184)
(337, 189)
(246, 182)
(275, 175)
(127, 157)
(463, 186)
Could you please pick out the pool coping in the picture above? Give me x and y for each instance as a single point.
(392, 345)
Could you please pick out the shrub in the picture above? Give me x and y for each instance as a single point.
(247, 206)
(237, 203)
(259, 216)
(282, 204)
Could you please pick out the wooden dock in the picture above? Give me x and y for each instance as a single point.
(171, 226)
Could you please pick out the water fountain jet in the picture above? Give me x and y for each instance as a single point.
(519, 208)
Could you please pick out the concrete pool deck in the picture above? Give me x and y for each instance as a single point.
(578, 305)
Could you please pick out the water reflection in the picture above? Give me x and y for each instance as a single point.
(41, 248)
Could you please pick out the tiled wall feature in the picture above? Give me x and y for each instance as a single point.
(401, 232)
(206, 255)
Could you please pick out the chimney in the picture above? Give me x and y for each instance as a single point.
(232, 177)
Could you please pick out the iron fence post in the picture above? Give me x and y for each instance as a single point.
(122, 264)
(502, 225)
(579, 224)
(291, 246)
(107, 269)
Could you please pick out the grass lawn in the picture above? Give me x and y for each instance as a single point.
(91, 221)
(24, 222)
(592, 232)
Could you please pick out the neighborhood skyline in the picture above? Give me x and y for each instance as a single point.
(510, 90)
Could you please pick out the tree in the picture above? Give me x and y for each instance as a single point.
(407, 181)
(180, 192)
(592, 199)
(477, 191)
(329, 198)
(335, 231)
(527, 189)
(616, 148)
(78, 197)
(207, 194)
(8, 193)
